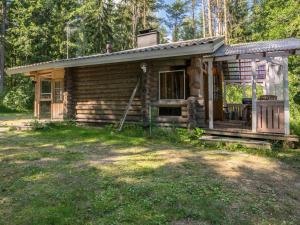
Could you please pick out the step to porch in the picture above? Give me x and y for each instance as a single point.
(248, 143)
(244, 133)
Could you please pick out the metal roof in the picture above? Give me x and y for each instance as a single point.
(181, 48)
(258, 47)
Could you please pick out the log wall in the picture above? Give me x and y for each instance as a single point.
(101, 93)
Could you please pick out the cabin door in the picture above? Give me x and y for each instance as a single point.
(45, 99)
(57, 99)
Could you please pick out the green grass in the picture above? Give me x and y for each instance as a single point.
(65, 174)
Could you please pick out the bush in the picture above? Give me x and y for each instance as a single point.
(18, 95)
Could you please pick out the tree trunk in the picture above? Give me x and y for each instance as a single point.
(135, 19)
(220, 32)
(2, 48)
(193, 18)
(145, 15)
(225, 22)
(203, 19)
(210, 31)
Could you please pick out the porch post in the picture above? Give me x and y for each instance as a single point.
(224, 94)
(210, 95)
(244, 89)
(286, 96)
(254, 110)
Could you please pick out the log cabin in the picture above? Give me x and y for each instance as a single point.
(185, 84)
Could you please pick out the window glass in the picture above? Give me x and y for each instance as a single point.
(58, 91)
(45, 109)
(172, 85)
(45, 89)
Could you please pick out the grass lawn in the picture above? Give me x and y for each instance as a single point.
(74, 175)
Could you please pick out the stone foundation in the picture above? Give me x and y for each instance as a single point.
(196, 112)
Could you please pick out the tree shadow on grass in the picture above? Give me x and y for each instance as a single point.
(56, 181)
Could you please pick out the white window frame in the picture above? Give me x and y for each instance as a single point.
(172, 71)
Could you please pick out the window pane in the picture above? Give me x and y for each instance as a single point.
(45, 109)
(172, 85)
(58, 92)
(46, 89)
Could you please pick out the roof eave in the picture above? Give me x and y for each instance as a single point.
(206, 48)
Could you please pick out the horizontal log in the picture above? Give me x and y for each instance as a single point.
(106, 117)
(105, 96)
(171, 119)
(106, 77)
(114, 91)
(126, 87)
(182, 125)
(103, 83)
(103, 121)
(108, 67)
(108, 112)
(107, 106)
(136, 101)
(170, 103)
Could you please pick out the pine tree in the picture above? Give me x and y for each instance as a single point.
(175, 15)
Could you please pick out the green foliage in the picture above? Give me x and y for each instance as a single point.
(275, 19)
(234, 92)
(176, 12)
(37, 125)
(238, 21)
(19, 94)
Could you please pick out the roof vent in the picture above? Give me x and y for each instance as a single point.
(147, 38)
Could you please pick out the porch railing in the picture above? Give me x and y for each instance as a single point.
(235, 111)
(270, 116)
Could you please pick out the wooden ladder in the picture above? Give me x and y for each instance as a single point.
(129, 104)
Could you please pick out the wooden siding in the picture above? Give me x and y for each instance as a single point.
(270, 116)
(101, 93)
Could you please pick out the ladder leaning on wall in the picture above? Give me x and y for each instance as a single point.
(120, 126)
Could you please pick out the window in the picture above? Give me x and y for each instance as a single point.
(172, 84)
(170, 111)
(45, 109)
(58, 91)
(46, 89)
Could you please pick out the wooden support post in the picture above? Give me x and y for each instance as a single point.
(267, 90)
(37, 97)
(244, 89)
(201, 79)
(254, 110)
(210, 95)
(224, 94)
(286, 96)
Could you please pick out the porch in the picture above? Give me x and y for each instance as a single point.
(248, 92)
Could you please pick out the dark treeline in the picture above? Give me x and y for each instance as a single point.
(41, 30)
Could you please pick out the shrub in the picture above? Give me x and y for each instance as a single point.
(18, 95)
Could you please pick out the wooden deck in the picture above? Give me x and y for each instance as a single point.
(246, 133)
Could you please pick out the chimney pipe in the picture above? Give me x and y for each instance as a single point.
(108, 47)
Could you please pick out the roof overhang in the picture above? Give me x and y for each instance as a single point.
(153, 52)
(257, 50)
